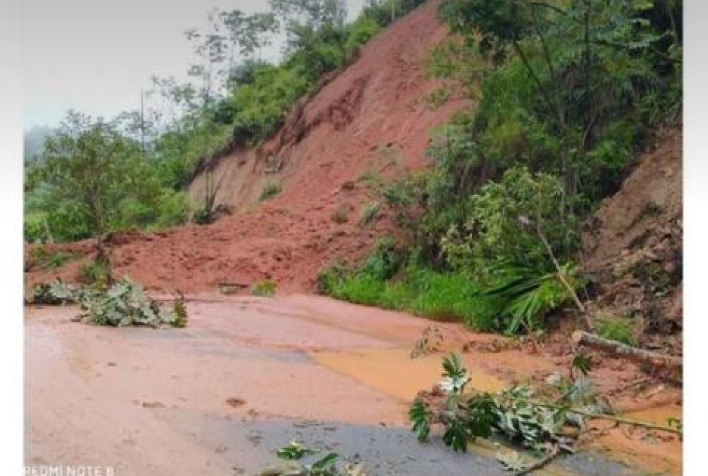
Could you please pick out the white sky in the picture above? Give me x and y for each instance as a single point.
(96, 55)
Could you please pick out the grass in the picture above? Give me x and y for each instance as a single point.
(443, 297)
(264, 287)
(270, 189)
(44, 259)
(368, 213)
(616, 328)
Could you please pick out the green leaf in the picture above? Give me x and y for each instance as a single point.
(293, 451)
(418, 415)
(482, 414)
(457, 435)
(581, 362)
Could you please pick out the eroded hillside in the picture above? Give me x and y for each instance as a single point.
(371, 118)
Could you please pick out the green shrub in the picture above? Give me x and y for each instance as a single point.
(52, 293)
(270, 189)
(264, 287)
(40, 257)
(368, 213)
(437, 97)
(331, 276)
(33, 228)
(360, 288)
(57, 260)
(360, 31)
(174, 209)
(616, 328)
(202, 216)
(95, 273)
(384, 260)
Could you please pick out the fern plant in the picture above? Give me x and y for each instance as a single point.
(525, 295)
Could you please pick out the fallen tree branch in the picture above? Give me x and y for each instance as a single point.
(617, 419)
(618, 348)
(553, 454)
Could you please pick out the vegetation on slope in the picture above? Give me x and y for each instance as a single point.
(568, 94)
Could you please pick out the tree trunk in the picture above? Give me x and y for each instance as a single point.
(623, 350)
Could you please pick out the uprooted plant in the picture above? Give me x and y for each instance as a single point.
(546, 423)
(54, 292)
(124, 303)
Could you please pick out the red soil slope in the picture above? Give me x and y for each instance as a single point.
(373, 117)
(633, 247)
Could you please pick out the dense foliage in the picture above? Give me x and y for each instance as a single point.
(568, 94)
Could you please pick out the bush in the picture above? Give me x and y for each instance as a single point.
(368, 213)
(95, 273)
(265, 287)
(40, 257)
(384, 260)
(505, 221)
(174, 209)
(420, 290)
(270, 189)
(360, 32)
(331, 276)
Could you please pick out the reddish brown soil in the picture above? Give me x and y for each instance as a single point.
(372, 117)
(633, 247)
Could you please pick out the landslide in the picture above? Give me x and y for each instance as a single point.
(633, 247)
(371, 118)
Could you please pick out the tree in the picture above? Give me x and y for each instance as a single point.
(89, 168)
(315, 14)
(589, 62)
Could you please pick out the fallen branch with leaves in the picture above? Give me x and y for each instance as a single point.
(516, 414)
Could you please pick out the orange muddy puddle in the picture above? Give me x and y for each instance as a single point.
(394, 373)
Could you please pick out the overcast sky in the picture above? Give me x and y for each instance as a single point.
(96, 55)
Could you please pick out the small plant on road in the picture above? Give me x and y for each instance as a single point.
(293, 451)
(329, 465)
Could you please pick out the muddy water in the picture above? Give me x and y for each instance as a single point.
(651, 451)
(246, 376)
(393, 372)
